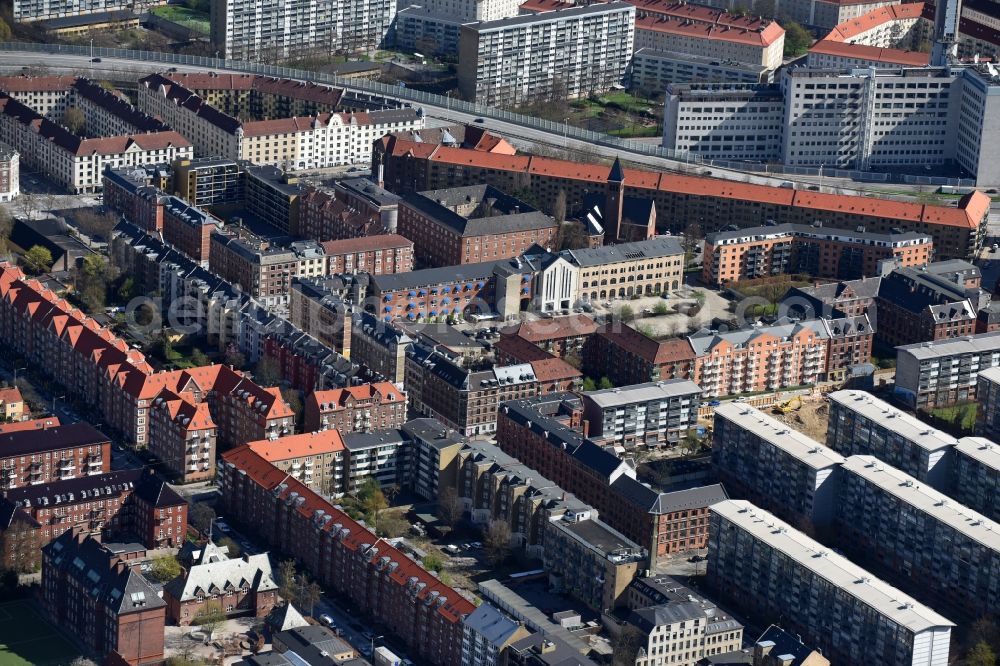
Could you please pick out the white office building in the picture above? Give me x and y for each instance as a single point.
(776, 466)
(566, 53)
(770, 569)
(861, 424)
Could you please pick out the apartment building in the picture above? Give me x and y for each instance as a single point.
(97, 596)
(432, 27)
(626, 357)
(383, 253)
(182, 434)
(662, 25)
(253, 118)
(886, 36)
(245, 30)
(354, 207)
(31, 457)
(434, 460)
(747, 254)
(12, 407)
(361, 408)
(380, 346)
(472, 224)
(727, 119)
(463, 399)
(776, 467)
(652, 72)
(929, 543)
(944, 372)
(512, 61)
(654, 414)
(559, 336)
(713, 204)
(123, 505)
(987, 396)
(382, 455)
(487, 632)
(273, 195)
(25, 11)
(314, 308)
(189, 229)
(383, 583)
(861, 424)
(10, 173)
(262, 269)
(684, 632)
(317, 459)
(663, 523)
(977, 475)
(209, 181)
(767, 568)
(303, 361)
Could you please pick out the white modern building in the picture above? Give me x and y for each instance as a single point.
(776, 466)
(944, 372)
(932, 544)
(861, 424)
(432, 27)
(732, 121)
(653, 71)
(567, 53)
(269, 32)
(653, 414)
(25, 11)
(770, 569)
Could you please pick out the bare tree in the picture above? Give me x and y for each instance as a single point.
(74, 120)
(559, 207)
(496, 542)
(449, 508)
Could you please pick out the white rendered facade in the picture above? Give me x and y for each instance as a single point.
(769, 568)
(567, 53)
(37, 10)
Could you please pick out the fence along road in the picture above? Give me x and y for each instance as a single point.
(507, 123)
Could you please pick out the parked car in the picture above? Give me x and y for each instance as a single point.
(327, 620)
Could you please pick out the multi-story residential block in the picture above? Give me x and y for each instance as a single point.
(361, 408)
(123, 505)
(976, 474)
(626, 356)
(273, 196)
(380, 346)
(662, 523)
(239, 587)
(778, 468)
(861, 424)
(30, 457)
(209, 181)
(263, 270)
(386, 585)
(516, 60)
(850, 298)
(663, 25)
(316, 307)
(383, 455)
(187, 228)
(653, 414)
(432, 27)
(929, 543)
(409, 165)
(25, 11)
(647, 267)
(182, 433)
(303, 361)
(944, 372)
(260, 119)
(355, 207)
(434, 460)
(559, 336)
(473, 224)
(886, 36)
(652, 72)
(684, 632)
(30, 424)
(12, 404)
(10, 173)
(317, 459)
(487, 632)
(384, 253)
(767, 567)
(244, 30)
(746, 254)
(987, 395)
(97, 596)
(926, 304)
(463, 399)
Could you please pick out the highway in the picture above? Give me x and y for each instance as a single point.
(525, 137)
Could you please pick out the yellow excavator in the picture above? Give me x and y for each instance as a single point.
(792, 405)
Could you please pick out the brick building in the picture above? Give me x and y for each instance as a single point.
(384, 253)
(30, 457)
(559, 336)
(239, 587)
(472, 224)
(714, 204)
(189, 229)
(356, 408)
(746, 254)
(662, 523)
(380, 346)
(384, 584)
(316, 307)
(317, 459)
(95, 595)
(183, 433)
(626, 356)
(354, 208)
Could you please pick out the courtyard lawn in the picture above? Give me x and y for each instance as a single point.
(27, 638)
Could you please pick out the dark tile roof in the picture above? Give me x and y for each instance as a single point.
(494, 211)
(692, 498)
(156, 492)
(26, 442)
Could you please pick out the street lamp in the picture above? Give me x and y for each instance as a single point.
(58, 397)
(565, 132)
(371, 655)
(15, 373)
(92, 49)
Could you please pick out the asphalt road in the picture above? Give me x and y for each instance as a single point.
(63, 63)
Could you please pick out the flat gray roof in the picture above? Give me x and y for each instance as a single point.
(550, 17)
(885, 415)
(648, 392)
(984, 342)
(792, 442)
(885, 599)
(980, 449)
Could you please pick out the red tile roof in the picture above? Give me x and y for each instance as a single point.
(537, 6)
(520, 350)
(366, 244)
(554, 369)
(335, 399)
(872, 53)
(10, 394)
(268, 477)
(717, 33)
(298, 446)
(33, 424)
(557, 328)
(854, 27)
(673, 350)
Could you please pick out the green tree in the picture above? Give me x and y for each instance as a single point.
(496, 542)
(797, 39)
(38, 260)
(433, 562)
(605, 383)
(660, 309)
(287, 575)
(163, 347)
(373, 501)
(198, 358)
(4, 30)
(165, 568)
(92, 278)
(201, 516)
(235, 359)
(294, 400)
(308, 594)
(267, 372)
(125, 289)
(210, 617)
(626, 313)
(588, 384)
(981, 654)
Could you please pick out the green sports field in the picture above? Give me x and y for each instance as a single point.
(27, 638)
